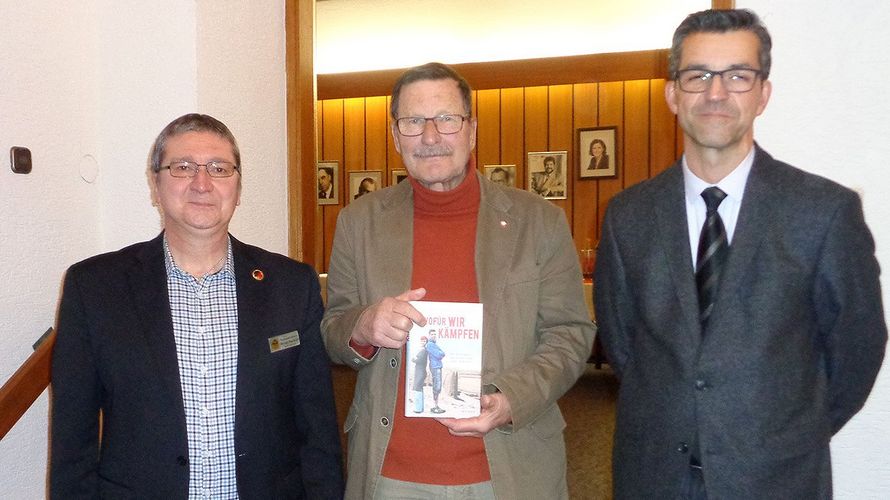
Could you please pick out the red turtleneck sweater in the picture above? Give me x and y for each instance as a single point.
(420, 449)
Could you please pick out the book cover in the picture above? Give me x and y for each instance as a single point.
(443, 367)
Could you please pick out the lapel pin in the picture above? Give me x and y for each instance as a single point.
(258, 275)
(503, 223)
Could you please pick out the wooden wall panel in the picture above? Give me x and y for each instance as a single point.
(535, 126)
(353, 139)
(331, 150)
(513, 132)
(512, 122)
(611, 112)
(488, 133)
(584, 194)
(560, 131)
(636, 131)
(662, 131)
(375, 134)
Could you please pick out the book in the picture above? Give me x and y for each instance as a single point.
(443, 365)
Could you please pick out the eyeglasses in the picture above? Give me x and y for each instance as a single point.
(411, 126)
(734, 80)
(215, 169)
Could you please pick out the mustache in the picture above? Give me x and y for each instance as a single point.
(432, 151)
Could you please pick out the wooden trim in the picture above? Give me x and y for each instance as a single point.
(299, 28)
(618, 66)
(26, 384)
(723, 4)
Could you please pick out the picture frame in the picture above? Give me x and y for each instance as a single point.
(500, 174)
(547, 174)
(327, 177)
(362, 182)
(592, 140)
(397, 176)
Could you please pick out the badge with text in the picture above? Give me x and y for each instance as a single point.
(284, 341)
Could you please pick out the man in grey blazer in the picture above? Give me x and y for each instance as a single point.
(733, 387)
(449, 234)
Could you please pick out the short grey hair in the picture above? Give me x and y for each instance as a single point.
(430, 71)
(192, 122)
(721, 21)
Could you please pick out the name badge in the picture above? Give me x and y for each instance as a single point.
(284, 341)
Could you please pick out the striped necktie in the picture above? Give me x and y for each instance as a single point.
(713, 248)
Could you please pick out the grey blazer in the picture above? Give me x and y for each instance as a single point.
(792, 348)
(537, 330)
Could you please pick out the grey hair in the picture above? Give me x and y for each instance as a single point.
(721, 21)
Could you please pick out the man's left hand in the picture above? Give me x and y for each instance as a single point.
(495, 413)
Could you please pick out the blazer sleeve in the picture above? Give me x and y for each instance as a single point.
(76, 397)
(849, 310)
(564, 330)
(344, 307)
(611, 299)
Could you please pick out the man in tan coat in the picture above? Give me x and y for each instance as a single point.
(449, 234)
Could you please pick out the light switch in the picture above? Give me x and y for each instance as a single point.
(20, 160)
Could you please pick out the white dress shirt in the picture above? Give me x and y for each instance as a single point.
(696, 210)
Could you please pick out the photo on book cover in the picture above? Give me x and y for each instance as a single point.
(443, 375)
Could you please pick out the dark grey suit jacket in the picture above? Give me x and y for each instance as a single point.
(792, 348)
(115, 352)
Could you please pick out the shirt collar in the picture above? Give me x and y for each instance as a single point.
(228, 268)
(733, 184)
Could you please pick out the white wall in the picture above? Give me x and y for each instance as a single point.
(87, 85)
(828, 114)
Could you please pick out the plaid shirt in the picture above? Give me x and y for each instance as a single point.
(205, 327)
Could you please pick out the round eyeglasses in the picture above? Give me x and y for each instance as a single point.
(411, 126)
(215, 169)
(734, 80)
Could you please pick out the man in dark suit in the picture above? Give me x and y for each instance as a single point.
(746, 325)
(203, 354)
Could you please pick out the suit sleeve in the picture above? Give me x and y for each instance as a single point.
(320, 450)
(611, 299)
(564, 330)
(76, 398)
(849, 311)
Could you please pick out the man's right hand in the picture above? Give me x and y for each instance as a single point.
(387, 323)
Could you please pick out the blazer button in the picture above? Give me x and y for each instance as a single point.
(384, 422)
(392, 362)
(701, 385)
(682, 448)
(181, 460)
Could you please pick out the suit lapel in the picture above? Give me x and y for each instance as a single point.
(673, 228)
(148, 282)
(392, 255)
(251, 291)
(754, 222)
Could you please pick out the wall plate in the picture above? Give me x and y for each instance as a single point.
(20, 159)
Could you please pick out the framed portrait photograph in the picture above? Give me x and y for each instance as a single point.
(398, 175)
(362, 182)
(328, 178)
(597, 152)
(500, 174)
(547, 174)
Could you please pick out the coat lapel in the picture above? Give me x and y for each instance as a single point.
(673, 228)
(754, 221)
(251, 288)
(148, 282)
(392, 255)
